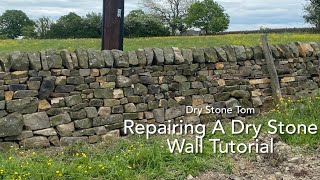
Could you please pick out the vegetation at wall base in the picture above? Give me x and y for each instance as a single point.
(136, 158)
(7, 46)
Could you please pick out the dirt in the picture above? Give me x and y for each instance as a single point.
(286, 163)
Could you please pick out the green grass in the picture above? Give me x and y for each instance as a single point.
(137, 158)
(7, 46)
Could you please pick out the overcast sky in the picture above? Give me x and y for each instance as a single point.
(245, 14)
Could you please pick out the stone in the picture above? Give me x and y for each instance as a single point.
(175, 112)
(46, 132)
(108, 58)
(108, 120)
(47, 87)
(66, 129)
(168, 55)
(133, 58)
(103, 93)
(259, 81)
(19, 61)
(78, 114)
(54, 140)
(73, 100)
(71, 141)
(96, 59)
(24, 106)
(11, 125)
(111, 135)
(54, 59)
(140, 89)
(240, 94)
(2, 105)
(111, 102)
(19, 74)
(100, 130)
(192, 120)
(83, 123)
(118, 94)
(305, 49)
(25, 93)
(83, 58)
(232, 102)
(121, 59)
(159, 115)
(221, 96)
(141, 57)
(241, 54)
(17, 87)
(149, 55)
(256, 101)
(187, 55)
(36, 121)
(104, 111)
(35, 142)
(35, 61)
(117, 109)
(123, 81)
(130, 108)
(197, 100)
(231, 54)
(60, 119)
(198, 55)
(24, 134)
(91, 112)
(210, 55)
(158, 56)
(178, 58)
(288, 79)
(66, 59)
(33, 85)
(222, 55)
(257, 52)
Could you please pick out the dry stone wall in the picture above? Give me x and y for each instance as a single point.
(58, 98)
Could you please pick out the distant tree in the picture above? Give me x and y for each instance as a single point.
(12, 22)
(139, 24)
(29, 32)
(92, 25)
(68, 26)
(43, 25)
(172, 12)
(312, 11)
(208, 15)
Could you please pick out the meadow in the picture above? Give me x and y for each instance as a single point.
(29, 45)
(134, 157)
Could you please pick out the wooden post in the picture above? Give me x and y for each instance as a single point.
(113, 24)
(275, 84)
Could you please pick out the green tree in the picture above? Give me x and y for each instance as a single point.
(207, 15)
(139, 24)
(92, 25)
(43, 25)
(12, 22)
(312, 11)
(29, 32)
(171, 12)
(68, 26)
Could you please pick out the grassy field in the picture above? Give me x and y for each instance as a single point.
(7, 46)
(137, 158)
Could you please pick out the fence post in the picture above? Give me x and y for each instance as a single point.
(275, 84)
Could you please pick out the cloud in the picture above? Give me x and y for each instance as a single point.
(244, 14)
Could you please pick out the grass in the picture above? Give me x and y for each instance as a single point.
(137, 158)
(7, 46)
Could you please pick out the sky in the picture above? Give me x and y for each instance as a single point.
(244, 14)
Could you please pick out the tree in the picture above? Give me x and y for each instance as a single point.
(29, 32)
(68, 26)
(312, 11)
(12, 22)
(139, 24)
(43, 25)
(92, 25)
(172, 12)
(208, 15)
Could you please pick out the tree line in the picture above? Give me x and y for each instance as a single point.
(160, 18)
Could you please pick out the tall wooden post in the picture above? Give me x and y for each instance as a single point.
(275, 84)
(113, 24)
